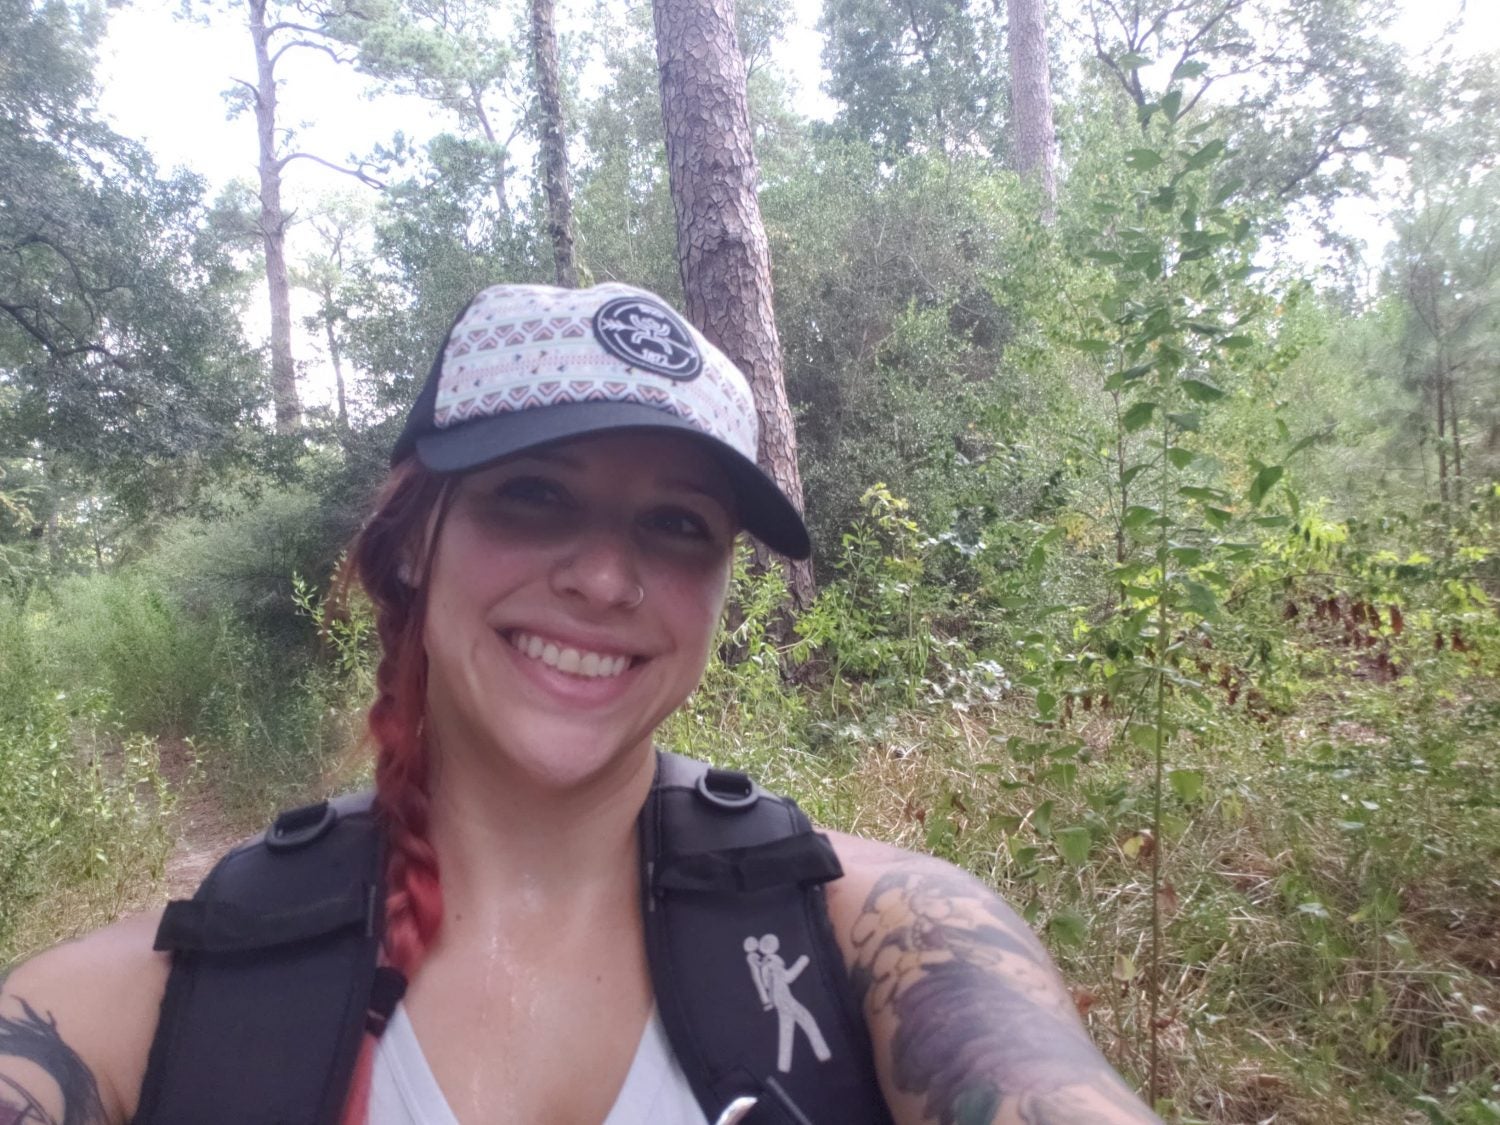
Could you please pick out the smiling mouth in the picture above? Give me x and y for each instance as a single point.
(575, 662)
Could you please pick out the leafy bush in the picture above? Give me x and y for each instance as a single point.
(125, 642)
(77, 813)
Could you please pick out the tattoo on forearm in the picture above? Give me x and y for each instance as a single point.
(983, 1032)
(34, 1037)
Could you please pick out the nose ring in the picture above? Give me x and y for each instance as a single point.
(640, 596)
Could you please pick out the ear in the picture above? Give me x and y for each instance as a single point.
(403, 572)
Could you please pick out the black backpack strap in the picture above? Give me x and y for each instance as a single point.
(273, 974)
(749, 979)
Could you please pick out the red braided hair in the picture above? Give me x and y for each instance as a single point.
(389, 558)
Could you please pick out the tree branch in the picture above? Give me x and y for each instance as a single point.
(331, 52)
(358, 173)
(54, 350)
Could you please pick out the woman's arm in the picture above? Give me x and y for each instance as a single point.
(970, 1021)
(76, 1024)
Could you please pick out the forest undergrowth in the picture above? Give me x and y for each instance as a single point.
(1325, 855)
(1175, 618)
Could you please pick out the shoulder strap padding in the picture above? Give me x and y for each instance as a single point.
(726, 866)
(273, 962)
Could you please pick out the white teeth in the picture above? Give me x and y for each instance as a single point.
(590, 665)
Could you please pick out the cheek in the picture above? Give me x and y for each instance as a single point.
(706, 596)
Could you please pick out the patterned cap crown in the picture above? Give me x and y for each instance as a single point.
(517, 347)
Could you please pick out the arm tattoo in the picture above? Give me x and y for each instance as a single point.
(34, 1037)
(982, 1030)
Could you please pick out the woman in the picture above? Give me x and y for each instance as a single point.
(549, 562)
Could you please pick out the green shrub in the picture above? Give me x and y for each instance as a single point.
(80, 810)
(124, 639)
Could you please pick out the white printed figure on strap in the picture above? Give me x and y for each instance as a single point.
(773, 982)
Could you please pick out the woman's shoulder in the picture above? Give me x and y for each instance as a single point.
(76, 1024)
(887, 890)
(968, 1016)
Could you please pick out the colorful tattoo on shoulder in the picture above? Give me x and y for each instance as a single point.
(34, 1037)
(982, 1029)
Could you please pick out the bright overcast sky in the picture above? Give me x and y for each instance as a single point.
(161, 79)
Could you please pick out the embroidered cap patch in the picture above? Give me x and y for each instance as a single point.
(648, 335)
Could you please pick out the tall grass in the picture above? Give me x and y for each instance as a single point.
(1330, 909)
(83, 808)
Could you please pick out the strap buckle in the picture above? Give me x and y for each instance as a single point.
(296, 828)
(728, 789)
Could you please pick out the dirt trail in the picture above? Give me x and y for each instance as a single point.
(202, 829)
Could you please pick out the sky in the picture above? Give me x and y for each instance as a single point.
(161, 82)
(162, 78)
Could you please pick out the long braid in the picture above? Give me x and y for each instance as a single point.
(389, 559)
(414, 899)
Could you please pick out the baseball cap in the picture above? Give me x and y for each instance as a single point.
(527, 365)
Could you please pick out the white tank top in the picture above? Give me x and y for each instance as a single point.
(403, 1090)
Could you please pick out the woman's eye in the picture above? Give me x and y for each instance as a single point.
(531, 491)
(680, 524)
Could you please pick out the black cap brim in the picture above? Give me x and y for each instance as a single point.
(765, 512)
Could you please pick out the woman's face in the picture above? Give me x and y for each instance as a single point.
(574, 593)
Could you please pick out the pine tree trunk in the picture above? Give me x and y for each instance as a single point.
(1442, 436)
(554, 143)
(336, 358)
(273, 230)
(497, 180)
(722, 252)
(1031, 98)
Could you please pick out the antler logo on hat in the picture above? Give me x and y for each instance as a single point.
(646, 334)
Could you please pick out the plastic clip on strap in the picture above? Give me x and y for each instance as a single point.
(728, 789)
(296, 828)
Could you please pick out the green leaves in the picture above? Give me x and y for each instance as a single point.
(1187, 784)
(1264, 481)
(1205, 155)
(1204, 495)
(1139, 415)
(1199, 391)
(1201, 599)
(1121, 379)
(1073, 845)
(1068, 928)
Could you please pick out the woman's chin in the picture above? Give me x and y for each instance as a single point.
(562, 761)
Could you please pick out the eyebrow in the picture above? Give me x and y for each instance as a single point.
(725, 498)
(552, 455)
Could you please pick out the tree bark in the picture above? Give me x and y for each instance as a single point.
(1031, 99)
(273, 229)
(722, 251)
(554, 143)
(497, 181)
(335, 356)
(1442, 436)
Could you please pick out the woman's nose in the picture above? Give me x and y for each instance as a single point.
(601, 568)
